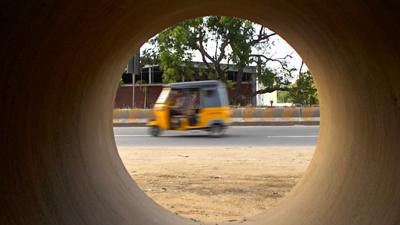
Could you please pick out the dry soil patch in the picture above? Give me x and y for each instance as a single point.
(216, 184)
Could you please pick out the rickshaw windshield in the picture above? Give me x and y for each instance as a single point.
(162, 99)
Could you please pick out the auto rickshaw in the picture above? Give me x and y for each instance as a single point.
(197, 105)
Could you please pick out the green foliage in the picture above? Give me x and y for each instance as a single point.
(229, 84)
(175, 47)
(267, 76)
(233, 40)
(150, 56)
(283, 96)
(303, 91)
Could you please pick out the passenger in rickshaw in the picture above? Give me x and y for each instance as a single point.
(186, 104)
(193, 108)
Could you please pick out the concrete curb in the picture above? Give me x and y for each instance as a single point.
(240, 116)
(248, 123)
(244, 113)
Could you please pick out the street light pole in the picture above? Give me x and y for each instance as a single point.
(134, 69)
(133, 89)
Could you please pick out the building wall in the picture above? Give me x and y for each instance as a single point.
(265, 99)
(123, 98)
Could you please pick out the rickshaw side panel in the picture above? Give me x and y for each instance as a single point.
(161, 118)
(208, 115)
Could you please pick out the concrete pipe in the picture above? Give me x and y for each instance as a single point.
(60, 63)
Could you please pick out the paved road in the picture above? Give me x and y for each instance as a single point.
(235, 136)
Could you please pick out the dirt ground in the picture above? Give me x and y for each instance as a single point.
(216, 184)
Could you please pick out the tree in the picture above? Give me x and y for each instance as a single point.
(303, 91)
(176, 46)
(150, 56)
(222, 42)
(244, 42)
(282, 96)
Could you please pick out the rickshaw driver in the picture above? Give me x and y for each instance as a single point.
(179, 104)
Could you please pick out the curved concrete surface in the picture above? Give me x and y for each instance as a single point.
(61, 61)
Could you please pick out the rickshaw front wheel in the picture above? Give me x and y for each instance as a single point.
(217, 130)
(154, 131)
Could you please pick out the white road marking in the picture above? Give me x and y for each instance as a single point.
(276, 126)
(309, 136)
(145, 135)
(131, 135)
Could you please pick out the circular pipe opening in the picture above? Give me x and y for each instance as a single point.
(209, 179)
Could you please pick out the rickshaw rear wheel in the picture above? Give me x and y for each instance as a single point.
(154, 131)
(217, 130)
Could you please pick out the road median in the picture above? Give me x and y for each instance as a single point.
(240, 117)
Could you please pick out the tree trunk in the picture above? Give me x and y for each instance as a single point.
(220, 73)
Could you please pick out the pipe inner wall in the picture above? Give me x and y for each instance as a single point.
(60, 64)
